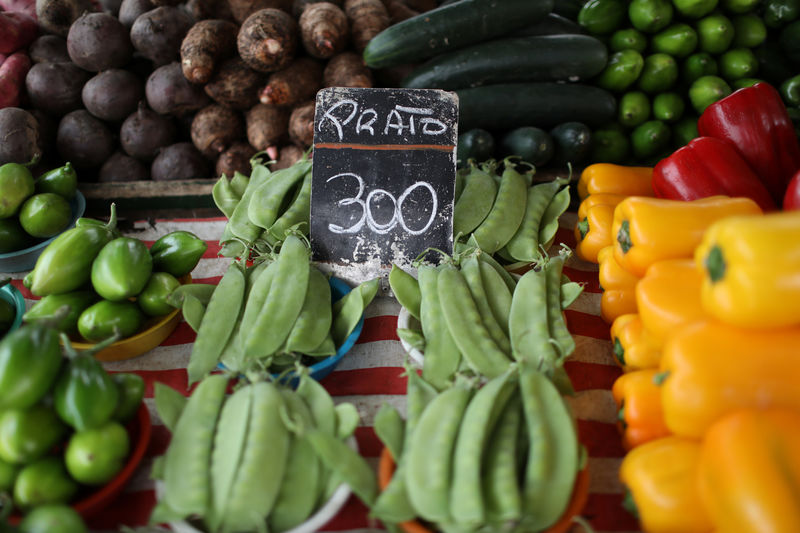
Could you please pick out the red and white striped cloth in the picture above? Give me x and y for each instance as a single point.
(371, 373)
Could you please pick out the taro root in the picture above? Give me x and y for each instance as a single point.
(267, 40)
(296, 83)
(266, 125)
(367, 19)
(215, 128)
(346, 70)
(287, 156)
(98, 41)
(180, 161)
(49, 49)
(158, 33)
(19, 131)
(55, 88)
(301, 124)
(113, 94)
(235, 159)
(324, 29)
(235, 85)
(121, 167)
(145, 132)
(169, 92)
(84, 140)
(241, 9)
(206, 44)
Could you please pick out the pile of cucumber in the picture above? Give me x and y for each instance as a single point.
(670, 59)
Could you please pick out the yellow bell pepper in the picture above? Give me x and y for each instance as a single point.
(661, 476)
(593, 232)
(615, 303)
(597, 199)
(611, 275)
(749, 472)
(711, 368)
(639, 401)
(668, 296)
(633, 346)
(751, 270)
(608, 178)
(646, 230)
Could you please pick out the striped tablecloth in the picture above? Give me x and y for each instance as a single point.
(372, 374)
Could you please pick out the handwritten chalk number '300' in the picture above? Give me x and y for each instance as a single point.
(366, 207)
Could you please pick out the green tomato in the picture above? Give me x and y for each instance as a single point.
(62, 181)
(45, 215)
(43, 482)
(121, 269)
(95, 456)
(749, 31)
(715, 33)
(12, 236)
(8, 474)
(738, 63)
(131, 394)
(16, 185)
(53, 518)
(707, 90)
(99, 321)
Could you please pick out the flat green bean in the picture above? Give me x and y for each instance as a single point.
(406, 290)
(475, 201)
(442, 356)
(528, 321)
(347, 311)
(549, 226)
(313, 323)
(507, 212)
(555, 319)
(502, 497)
(524, 245)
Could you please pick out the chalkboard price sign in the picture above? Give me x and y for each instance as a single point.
(383, 180)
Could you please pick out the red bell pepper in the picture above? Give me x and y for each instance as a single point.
(708, 167)
(791, 200)
(755, 120)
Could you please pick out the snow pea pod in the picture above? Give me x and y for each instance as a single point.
(406, 289)
(442, 355)
(347, 311)
(559, 333)
(507, 212)
(528, 321)
(549, 224)
(193, 311)
(169, 404)
(316, 316)
(390, 429)
(297, 214)
(524, 245)
(266, 202)
(345, 463)
(476, 199)
(225, 198)
(240, 225)
(503, 500)
(471, 269)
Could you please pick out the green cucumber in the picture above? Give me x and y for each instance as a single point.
(449, 27)
(511, 105)
(556, 57)
(552, 24)
(568, 8)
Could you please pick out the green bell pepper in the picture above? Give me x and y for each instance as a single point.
(62, 181)
(121, 269)
(177, 252)
(46, 308)
(131, 394)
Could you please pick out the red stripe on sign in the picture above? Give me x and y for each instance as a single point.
(369, 445)
(130, 509)
(585, 376)
(364, 381)
(600, 438)
(591, 283)
(183, 334)
(587, 325)
(379, 328)
(605, 513)
(352, 516)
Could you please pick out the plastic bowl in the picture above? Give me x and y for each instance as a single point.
(12, 295)
(153, 333)
(580, 493)
(322, 516)
(139, 432)
(406, 321)
(25, 259)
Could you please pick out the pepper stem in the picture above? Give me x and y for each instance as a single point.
(112, 219)
(621, 416)
(583, 227)
(619, 351)
(624, 236)
(629, 504)
(661, 377)
(715, 264)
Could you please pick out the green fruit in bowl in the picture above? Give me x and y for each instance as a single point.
(45, 215)
(53, 518)
(16, 185)
(95, 456)
(12, 236)
(62, 181)
(42, 482)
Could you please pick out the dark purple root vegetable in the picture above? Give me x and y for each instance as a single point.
(209, 9)
(235, 85)
(146, 132)
(180, 161)
(158, 33)
(55, 88)
(84, 140)
(301, 124)
(267, 40)
(241, 9)
(235, 159)
(266, 125)
(98, 41)
(215, 128)
(48, 126)
(130, 10)
(121, 167)
(206, 44)
(111, 6)
(168, 91)
(20, 134)
(56, 16)
(49, 49)
(113, 94)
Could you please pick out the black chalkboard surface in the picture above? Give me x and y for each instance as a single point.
(383, 180)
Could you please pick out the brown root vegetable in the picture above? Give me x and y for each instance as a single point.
(241, 9)
(113, 94)
(215, 128)
(398, 11)
(20, 134)
(235, 159)
(209, 9)
(324, 29)
(299, 5)
(206, 44)
(84, 140)
(98, 41)
(298, 82)
(235, 85)
(145, 132)
(180, 161)
(346, 70)
(130, 10)
(13, 72)
(267, 40)
(56, 16)
(287, 156)
(121, 167)
(55, 88)
(266, 125)
(49, 49)
(158, 33)
(169, 92)
(301, 124)
(367, 19)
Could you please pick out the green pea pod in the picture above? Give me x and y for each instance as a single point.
(475, 200)
(347, 420)
(314, 321)
(503, 501)
(347, 311)
(62, 181)
(103, 319)
(413, 337)
(528, 321)
(471, 269)
(507, 212)
(85, 395)
(65, 264)
(524, 245)
(177, 252)
(131, 394)
(297, 214)
(267, 200)
(390, 427)
(549, 226)
(28, 434)
(193, 311)
(345, 463)
(46, 308)
(121, 269)
(201, 291)
(442, 355)
(239, 183)
(326, 348)
(560, 335)
(169, 404)
(224, 196)
(406, 289)
(30, 358)
(570, 292)
(240, 224)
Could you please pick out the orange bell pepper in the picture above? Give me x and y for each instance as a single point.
(611, 275)
(639, 400)
(646, 230)
(668, 296)
(593, 232)
(749, 471)
(661, 476)
(597, 199)
(608, 178)
(615, 303)
(751, 270)
(711, 368)
(633, 346)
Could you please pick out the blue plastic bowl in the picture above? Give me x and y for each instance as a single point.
(12, 295)
(25, 259)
